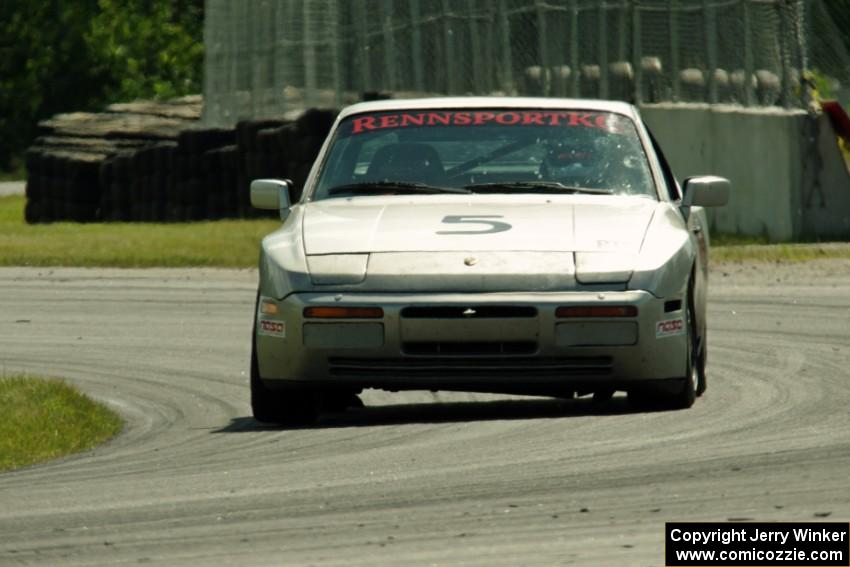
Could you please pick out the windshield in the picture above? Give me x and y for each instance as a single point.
(492, 151)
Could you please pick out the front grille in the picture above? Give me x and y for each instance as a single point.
(469, 348)
(469, 312)
(478, 367)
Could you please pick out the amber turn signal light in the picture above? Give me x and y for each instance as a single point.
(597, 311)
(343, 312)
(268, 307)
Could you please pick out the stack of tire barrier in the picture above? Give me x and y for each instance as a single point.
(146, 161)
(197, 192)
(81, 168)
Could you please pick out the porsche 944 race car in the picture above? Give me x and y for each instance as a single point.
(527, 246)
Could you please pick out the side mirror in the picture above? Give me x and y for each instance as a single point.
(272, 195)
(705, 191)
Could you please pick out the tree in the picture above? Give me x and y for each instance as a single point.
(149, 49)
(44, 66)
(67, 55)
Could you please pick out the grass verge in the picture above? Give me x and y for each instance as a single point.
(46, 419)
(742, 249)
(225, 243)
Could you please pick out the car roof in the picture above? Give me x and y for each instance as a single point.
(473, 102)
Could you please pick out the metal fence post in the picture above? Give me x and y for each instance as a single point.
(507, 58)
(621, 31)
(451, 64)
(637, 52)
(748, 54)
(711, 48)
(805, 33)
(602, 36)
(365, 59)
(475, 40)
(673, 25)
(785, 94)
(310, 62)
(575, 73)
(542, 44)
(288, 56)
(416, 46)
(491, 77)
(390, 54)
(336, 52)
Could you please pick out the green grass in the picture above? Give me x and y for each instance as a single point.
(722, 240)
(782, 253)
(735, 248)
(226, 243)
(46, 419)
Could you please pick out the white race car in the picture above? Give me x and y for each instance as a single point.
(517, 245)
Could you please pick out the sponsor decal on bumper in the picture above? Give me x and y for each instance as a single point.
(271, 327)
(669, 328)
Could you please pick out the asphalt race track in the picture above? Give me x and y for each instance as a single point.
(413, 478)
(12, 188)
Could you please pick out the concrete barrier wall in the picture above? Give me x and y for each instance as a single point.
(759, 150)
(789, 179)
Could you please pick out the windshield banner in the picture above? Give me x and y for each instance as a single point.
(423, 119)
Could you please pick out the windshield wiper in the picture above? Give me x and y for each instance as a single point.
(393, 187)
(533, 187)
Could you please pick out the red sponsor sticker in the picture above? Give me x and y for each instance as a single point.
(670, 328)
(580, 119)
(271, 327)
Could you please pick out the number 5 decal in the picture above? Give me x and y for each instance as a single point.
(494, 226)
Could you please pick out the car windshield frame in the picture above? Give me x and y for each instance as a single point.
(588, 126)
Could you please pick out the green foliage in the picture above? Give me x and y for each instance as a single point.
(822, 84)
(67, 55)
(43, 66)
(148, 49)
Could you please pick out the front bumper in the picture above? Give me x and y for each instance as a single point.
(510, 341)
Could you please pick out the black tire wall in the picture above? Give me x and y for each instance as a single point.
(153, 162)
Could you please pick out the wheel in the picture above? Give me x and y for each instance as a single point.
(678, 393)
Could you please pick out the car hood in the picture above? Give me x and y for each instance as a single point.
(477, 223)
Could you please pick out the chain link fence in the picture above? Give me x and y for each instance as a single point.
(265, 58)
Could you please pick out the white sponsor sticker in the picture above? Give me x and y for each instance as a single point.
(611, 244)
(271, 327)
(669, 328)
